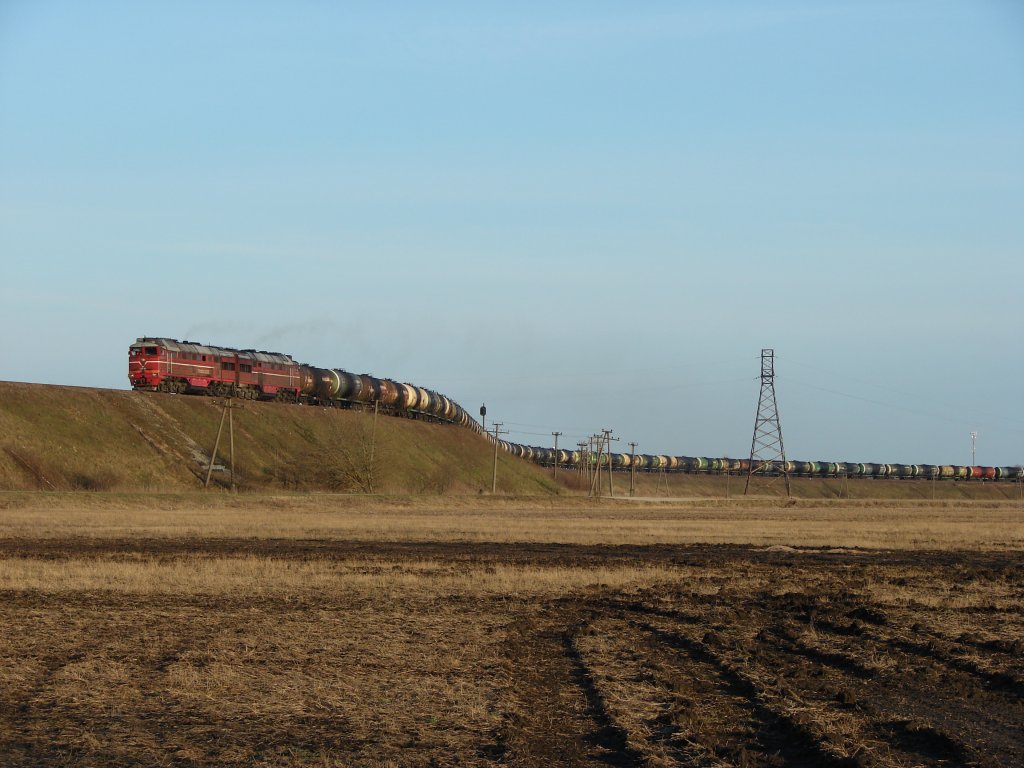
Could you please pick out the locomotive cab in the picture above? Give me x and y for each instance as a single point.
(144, 361)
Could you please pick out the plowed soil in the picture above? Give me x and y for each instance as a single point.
(438, 654)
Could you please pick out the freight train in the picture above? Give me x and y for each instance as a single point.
(186, 367)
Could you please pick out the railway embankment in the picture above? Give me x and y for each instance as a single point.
(59, 438)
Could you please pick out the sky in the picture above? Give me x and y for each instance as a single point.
(586, 214)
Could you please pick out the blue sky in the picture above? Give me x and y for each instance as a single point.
(585, 214)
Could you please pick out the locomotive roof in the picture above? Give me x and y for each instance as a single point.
(191, 346)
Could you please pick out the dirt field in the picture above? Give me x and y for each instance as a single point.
(182, 631)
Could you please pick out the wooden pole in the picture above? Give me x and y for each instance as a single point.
(586, 465)
(596, 484)
(608, 454)
(494, 476)
(231, 440)
(632, 469)
(216, 445)
(591, 469)
(373, 446)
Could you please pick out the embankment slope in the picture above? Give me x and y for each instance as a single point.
(58, 438)
(61, 438)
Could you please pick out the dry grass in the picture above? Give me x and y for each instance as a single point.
(872, 525)
(258, 577)
(319, 630)
(77, 438)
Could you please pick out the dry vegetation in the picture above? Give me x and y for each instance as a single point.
(194, 630)
(809, 523)
(74, 438)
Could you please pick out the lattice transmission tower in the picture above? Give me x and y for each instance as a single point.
(767, 452)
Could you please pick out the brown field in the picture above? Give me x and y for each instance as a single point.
(325, 630)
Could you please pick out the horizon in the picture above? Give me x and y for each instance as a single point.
(586, 216)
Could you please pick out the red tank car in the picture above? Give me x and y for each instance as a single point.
(167, 365)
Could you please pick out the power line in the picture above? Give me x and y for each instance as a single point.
(584, 394)
(894, 406)
(945, 406)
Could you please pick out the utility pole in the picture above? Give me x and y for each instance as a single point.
(766, 449)
(216, 445)
(595, 484)
(608, 439)
(590, 466)
(556, 434)
(231, 443)
(373, 444)
(494, 477)
(227, 412)
(632, 469)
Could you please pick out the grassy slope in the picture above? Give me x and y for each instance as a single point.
(59, 438)
(68, 437)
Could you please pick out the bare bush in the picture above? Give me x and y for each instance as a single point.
(97, 480)
(360, 460)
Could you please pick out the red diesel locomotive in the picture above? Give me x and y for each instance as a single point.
(166, 365)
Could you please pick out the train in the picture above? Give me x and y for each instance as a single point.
(186, 367)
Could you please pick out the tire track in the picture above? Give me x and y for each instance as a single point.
(931, 650)
(609, 735)
(780, 732)
(792, 643)
(551, 713)
(936, 726)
